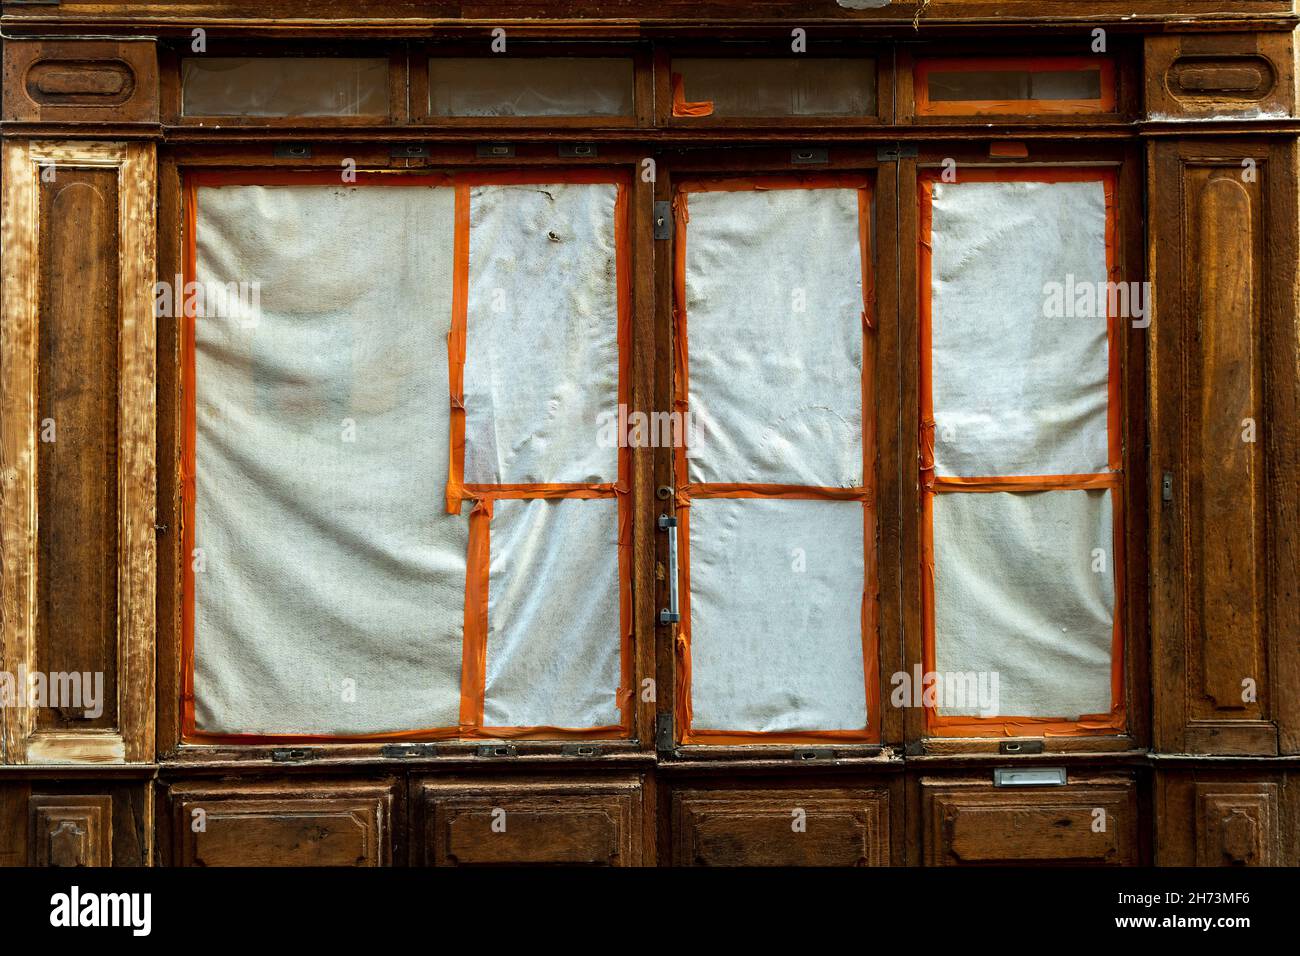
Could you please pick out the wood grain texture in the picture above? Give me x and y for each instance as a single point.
(1220, 74)
(313, 823)
(1222, 389)
(85, 82)
(64, 607)
(71, 830)
(970, 822)
(795, 827)
(553, 822)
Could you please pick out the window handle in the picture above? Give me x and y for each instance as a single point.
(670, 615)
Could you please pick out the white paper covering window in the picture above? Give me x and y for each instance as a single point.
(1017, 391)
(553, 646)
(541, 355)
(331, 595)
(1025, 589)
(774, 315)
(776, 614)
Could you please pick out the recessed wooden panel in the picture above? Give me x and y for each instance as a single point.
(1223, 404)
(70, 831)
(301, 824)
(974, 823)
(1236, 824)
(513, 823)
(77, 362)
(86, 81)
(1220, 74)
(781, 828)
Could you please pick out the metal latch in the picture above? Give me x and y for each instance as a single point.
(663, 220)
(293, 151)
(578, 151)
(580, 750)
(291, 755)
(810, 157)
(409, 151)
(497, 750)
(818, 753)
(494, 151)
(1167, 486)
(670, 614)
(1030, 777)
(664, 733)
(1020, 747)
(892, 154)
(407, 751)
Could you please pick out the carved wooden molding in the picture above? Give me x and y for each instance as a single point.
(80, 81)
(24, 162)
(1223, 395)
(70, 830)
(1215, 75)
(1236, 824)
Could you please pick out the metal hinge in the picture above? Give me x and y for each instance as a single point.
(664, 733)
(663, 220)
(892, 154)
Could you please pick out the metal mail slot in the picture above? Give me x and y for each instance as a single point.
(1030, 777)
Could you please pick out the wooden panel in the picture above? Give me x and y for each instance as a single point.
(513, 823)
(836, 827)
(1223, 396)
(972, 822)
(298, 824)
(77, 364)
(1220, 74)
(71, 831)
(86, 81)
(76, 408)
(1236, 824)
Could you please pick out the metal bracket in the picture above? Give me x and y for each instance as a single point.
(810, 157)
(578, 151)
(291, 755)
(663, 220)
(664, 733)
(495, 151)
(497, 750)
(670, 614)
(892, 154)
(1030, 777)
(293, 151)
(408, 751)
(409, 151)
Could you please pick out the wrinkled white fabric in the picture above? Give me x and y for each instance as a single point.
(541, 353)
(1016, 593)
(321, 457)
(774, 331)
(1016, 392)
(553, 650)
(776, 614)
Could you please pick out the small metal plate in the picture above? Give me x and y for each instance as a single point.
(810, 157)
(409, 151)
(1020, 747)
(497, 750)
(293, 151)
(578, 151)
(494, 151)
(663, 220)
(1030, 777)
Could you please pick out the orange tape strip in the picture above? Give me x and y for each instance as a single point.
(473, 660)
(456, 350)
(686, 491)
(1105, 103)
(680, 105)
(1010, 725)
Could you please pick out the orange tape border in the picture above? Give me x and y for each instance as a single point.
(686, 491)
(924, 66)
(936, 724)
